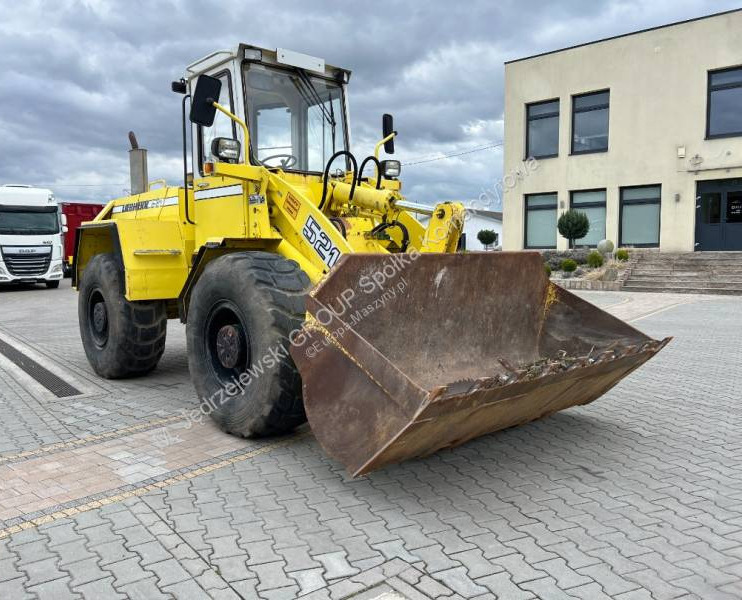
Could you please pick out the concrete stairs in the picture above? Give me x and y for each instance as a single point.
(691, 273)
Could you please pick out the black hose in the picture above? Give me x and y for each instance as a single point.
(338, 223)
(405, 232)
(327, 175)
(378, 169)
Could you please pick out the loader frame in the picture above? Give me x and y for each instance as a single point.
(163, 238)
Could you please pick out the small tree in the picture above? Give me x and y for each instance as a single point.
(573, 225)
(487, 237)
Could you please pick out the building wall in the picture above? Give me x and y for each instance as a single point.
(658, 96)
(474, 224)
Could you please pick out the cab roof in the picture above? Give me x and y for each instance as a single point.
(267, 56)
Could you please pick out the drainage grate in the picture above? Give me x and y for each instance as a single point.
(56, 385)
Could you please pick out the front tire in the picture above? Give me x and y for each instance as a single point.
(242, 311)
(52, 285)
(120, 338)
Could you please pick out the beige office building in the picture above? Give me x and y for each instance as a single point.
(642, 131)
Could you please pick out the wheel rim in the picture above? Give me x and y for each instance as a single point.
(227, 342)
(98, 318)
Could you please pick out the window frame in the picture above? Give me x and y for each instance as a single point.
(525, 219)
(635, 201)
(727, 86)
(199, 129)
(574, 111)
(603, 204)
(539, 117)
(341, 85)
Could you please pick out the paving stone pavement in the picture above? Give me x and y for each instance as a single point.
(638, 495)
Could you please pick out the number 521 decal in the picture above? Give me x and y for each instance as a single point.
(320, 241)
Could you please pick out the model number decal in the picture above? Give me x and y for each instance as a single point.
(320, 241)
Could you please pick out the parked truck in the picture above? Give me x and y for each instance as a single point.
(31, 229)
(76, 213)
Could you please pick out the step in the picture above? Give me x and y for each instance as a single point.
(689, 283)
(690, 255)
(736, 291)
(658, 271)
(687, 274)
(685, 261)
(686, 269)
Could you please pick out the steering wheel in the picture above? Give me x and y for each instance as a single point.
(289, 160)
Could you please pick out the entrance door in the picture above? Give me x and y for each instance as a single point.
(719, 215)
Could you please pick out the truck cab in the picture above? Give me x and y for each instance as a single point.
(31, 229)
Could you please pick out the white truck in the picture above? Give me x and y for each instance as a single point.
(31, 229)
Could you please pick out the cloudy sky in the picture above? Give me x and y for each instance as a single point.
(76, 76)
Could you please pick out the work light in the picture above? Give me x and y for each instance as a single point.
(226, 149)
(391, 168)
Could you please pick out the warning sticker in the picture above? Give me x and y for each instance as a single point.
(291, 205)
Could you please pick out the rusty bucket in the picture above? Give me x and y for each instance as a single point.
(403, 355)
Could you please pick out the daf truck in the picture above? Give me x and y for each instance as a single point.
(31, 229)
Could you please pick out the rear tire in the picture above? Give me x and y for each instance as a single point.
(52, 285)
(242, 311)
(120, 338)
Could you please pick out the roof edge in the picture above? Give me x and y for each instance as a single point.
(623, 35)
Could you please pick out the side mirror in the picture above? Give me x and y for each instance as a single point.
(387, 126)
(207, 92)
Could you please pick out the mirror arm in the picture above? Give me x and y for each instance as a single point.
(379, 144)
(240, 122)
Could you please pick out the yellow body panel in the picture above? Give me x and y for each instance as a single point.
(246, 207)
(154, 258)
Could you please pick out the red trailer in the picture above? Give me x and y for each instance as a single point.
(77, 213)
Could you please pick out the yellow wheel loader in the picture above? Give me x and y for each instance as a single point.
(311, 288)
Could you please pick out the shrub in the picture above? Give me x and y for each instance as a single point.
(547, 268)
(554, 257)
(595, 259)
(568, 265)
(487, 237)
(573, 225)
(622, 254)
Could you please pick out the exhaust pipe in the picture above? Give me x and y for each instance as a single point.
(138, 175)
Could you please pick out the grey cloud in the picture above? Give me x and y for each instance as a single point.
(76, 75)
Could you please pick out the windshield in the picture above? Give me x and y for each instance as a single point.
(28, 221)
(296, 120)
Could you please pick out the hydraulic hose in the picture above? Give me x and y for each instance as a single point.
(375, 160)
(326, 176)
(405, 232)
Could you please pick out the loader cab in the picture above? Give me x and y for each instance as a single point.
(293, 104)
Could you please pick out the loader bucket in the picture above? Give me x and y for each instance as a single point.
(403, 355)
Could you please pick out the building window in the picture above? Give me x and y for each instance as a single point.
(590, 122)
(640, 216)
(541, 221)
(592, 203)
(542, 129)
(724, 116)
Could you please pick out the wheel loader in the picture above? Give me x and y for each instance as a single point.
(311, 288)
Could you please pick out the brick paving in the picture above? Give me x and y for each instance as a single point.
(638, 495)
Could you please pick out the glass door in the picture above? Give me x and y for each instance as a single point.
(719, 215)
(733, 220)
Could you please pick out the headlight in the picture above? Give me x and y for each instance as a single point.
(226, 149)
(391, 168)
